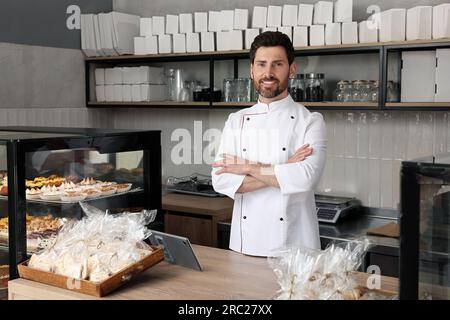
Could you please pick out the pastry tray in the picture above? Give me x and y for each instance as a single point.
(97, 289)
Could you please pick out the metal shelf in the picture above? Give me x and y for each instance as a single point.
(382, 49)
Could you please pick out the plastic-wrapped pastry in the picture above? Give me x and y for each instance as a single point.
(305, 274)
(97, 246)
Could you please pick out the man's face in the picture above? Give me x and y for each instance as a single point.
(270, 71)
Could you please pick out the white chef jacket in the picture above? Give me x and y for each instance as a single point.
(269, 219)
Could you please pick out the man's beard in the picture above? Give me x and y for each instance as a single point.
(270, 93)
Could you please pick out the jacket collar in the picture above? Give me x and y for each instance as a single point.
(276, 105)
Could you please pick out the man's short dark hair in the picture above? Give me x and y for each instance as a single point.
(273, 39)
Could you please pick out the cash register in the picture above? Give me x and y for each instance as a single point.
(332, 208)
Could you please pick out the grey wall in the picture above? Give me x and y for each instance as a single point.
(43, 22)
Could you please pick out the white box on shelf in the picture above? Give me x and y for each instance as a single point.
(136, 92)
(290, 16)
(305, 14)
(343, 11)
(223, 40)
(393, 25)
(214, 21)
(226, 20)
(158, 25)
(165, 43)
(349, 32)
(317, 35)
(442, 75)
(117, 74)
(418, 65)
(274, 16)
(186, 23)
(201, 21)
(300, 37)
(333, 34)
(118, 93)
(127, 75)
(270, 29)
(100, 93)
(144, 90)
(151, 45)
(236, 40)
(109, 92)
(192, 42)
(179, 43)
(109, 76)
(287, 31)
(139, 45)
(323, 12)
(131, 75)
(441, 21)
(126, 91)
(250, 35)
(172, 24)
(207, 42)
(368, 32)
(259, 18)
(145, 27)
(99, 76)
(419, 23)
(144, 74)
(240, 19)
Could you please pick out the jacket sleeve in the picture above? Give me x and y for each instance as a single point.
(227, 183)
(304, 176)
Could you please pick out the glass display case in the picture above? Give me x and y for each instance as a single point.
(46, 172)
(425, 228)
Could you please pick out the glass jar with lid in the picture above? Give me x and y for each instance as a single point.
(340, 92)
(296, 89)
(366, 91)
(357, 90)
(314, 86)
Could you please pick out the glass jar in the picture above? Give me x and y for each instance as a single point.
(229, 90)
(244, 90)
(366, 91)
(374, 91)
(357, 90)
(340, 92)
(296, 89)
(314, 86)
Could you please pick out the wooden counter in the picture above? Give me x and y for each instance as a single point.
(225, 275)
(196, 217)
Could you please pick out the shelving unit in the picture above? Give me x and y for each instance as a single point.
(382, 49)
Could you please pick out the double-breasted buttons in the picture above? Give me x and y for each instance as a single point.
(281, 219)
(284, 149)
(244, 217)
(292, 117)
(244, 149)
(248, 119)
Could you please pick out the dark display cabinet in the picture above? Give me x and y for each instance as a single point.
(425, 228)
(45, 172)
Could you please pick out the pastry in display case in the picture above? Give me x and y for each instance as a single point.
(47, 173)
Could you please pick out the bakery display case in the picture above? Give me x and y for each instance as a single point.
(425, 229)
(46, 172)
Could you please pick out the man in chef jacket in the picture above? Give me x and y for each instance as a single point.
(271, 157)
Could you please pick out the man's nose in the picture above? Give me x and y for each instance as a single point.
(268, 72)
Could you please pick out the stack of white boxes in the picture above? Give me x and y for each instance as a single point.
(319, 24)
(130, 84)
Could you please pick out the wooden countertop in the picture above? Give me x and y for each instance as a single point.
(197, 204)
(226, 275)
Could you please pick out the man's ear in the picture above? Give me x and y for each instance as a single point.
(292, 70)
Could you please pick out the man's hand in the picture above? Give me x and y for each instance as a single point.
(232, 164)
(301, 154)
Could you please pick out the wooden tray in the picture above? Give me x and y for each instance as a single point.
(97, 289)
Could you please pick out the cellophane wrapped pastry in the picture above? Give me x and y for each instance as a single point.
(305, 274)
(97, 246)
